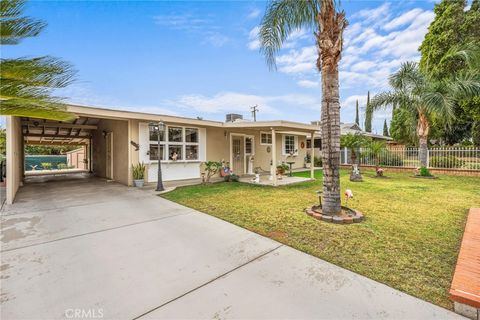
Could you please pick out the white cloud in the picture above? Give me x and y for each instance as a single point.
(253, 43)
(255, 12)
(225, 102)
(308, 83)
(298, 61)
(405, 18)
(189, 23)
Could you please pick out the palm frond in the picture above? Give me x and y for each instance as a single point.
(14, 26)
(281, 18)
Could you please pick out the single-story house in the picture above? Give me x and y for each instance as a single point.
(115, 140)
(345, 128)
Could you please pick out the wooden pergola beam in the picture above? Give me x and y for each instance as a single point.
(56, 125)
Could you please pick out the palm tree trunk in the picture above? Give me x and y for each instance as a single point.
(331, 142)
(330, 44)
(423, 128)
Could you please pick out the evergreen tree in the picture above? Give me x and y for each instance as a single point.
(385, 128)
(443, 34)
(368, 115)
(357, 117)
(452, 30)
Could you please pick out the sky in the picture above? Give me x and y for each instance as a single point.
(193, 58)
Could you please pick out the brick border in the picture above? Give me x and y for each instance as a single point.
(356, 217)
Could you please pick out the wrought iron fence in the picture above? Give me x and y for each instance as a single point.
(464, 158)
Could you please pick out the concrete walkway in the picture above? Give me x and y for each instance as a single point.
(86, 247)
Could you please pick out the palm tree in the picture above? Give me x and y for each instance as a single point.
(26, 84)
(354, 142)
(281, 18)
(376, 148)
(425, 99)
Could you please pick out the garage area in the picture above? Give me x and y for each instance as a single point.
(103, 144)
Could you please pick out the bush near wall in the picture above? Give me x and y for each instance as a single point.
(447, 161)
(390, 159)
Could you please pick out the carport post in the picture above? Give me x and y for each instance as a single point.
(312, 155)
(274, 158)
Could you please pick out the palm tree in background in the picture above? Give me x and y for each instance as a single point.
(281, 18)
(26, 85)
(424, 99)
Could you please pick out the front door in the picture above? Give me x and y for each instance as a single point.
(238, 155)
(109, 155)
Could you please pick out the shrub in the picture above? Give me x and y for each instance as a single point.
(448, 161)
(424, 172)
(390, 159)
(282, 168)
(61, 166)
(231, 178)
(46, 165)
(211, 168)
(317, 162)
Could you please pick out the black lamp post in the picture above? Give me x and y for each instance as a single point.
(159, 127)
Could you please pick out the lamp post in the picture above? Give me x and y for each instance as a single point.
(159, 127)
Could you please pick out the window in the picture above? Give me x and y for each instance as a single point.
(248, 145)
(175, 152)
(177, 144)
(175, 134)
(289, 145)
(191, 152)
(153, 134)
(154, 152)
(191, 135)
(266, 138)
(317, 144)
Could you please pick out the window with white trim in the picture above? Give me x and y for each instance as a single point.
(265, 138)
(176, 144)
(289, 145)
(249, 145)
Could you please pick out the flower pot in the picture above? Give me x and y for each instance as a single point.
(138, 183)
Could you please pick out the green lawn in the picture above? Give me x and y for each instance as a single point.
(409, 239)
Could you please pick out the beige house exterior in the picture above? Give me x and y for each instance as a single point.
(115, 140)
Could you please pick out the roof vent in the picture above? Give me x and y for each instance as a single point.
(231, 117)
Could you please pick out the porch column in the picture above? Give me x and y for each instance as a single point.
(274, 158)
(312, 155)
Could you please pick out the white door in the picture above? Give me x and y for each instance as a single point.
(109, 156)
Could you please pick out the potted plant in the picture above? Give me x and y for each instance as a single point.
(281, 169)
(138, 172)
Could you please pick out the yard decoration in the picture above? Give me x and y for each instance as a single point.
(354, 142)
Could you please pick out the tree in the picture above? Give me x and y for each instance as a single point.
(368, 115)
(452, 30)
(425, 98)
(26, 85)
(353, 142)
(281, 18)
(385, 128)
(443, 34)
(357, 117)
(376, 148)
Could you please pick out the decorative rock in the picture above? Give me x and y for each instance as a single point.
(337, 219)
(326, 218)
(309, 212)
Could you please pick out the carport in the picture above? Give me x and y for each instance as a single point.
(106, 141)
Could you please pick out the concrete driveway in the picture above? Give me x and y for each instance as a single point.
(86, 248)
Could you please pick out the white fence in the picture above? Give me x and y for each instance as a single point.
(463, 158)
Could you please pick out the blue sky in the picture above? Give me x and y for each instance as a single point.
(202, 58)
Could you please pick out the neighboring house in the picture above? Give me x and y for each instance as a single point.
(115, 140)
(345, 128)
(76, 158)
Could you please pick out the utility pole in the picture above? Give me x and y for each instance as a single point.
(254, 112)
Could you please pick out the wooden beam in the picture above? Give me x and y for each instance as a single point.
(50, 143)
(56, 125)
(80, 129)
(53, 136)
